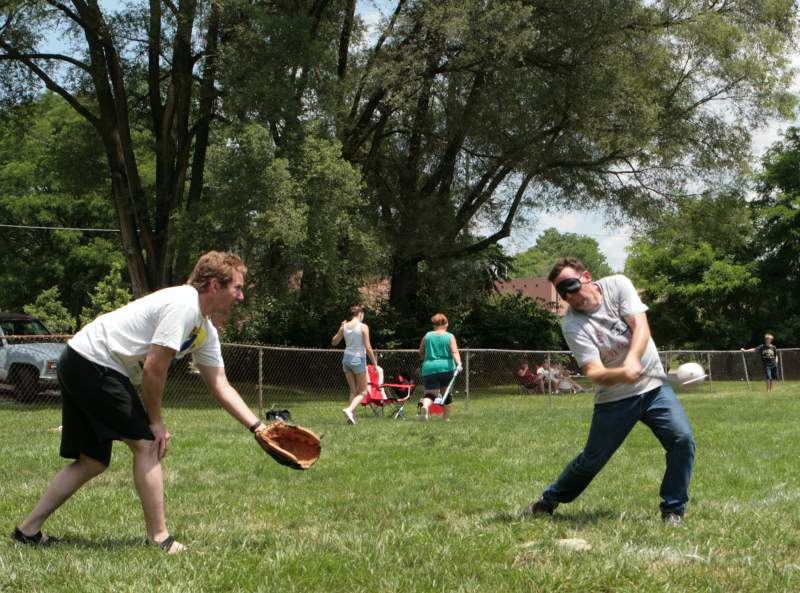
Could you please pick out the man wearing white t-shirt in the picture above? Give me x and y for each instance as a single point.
(135, 345)
(607, 331)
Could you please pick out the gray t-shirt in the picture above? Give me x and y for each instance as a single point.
(603, 335)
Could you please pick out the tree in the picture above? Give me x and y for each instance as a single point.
(40, 186)
(135, 77)
(48, 309)
(464, 114)
(539, 259)
(697, 274)
(299, 223)
(110, 294)
(776, 211)
(511, 321)
(459, 114)
(456, 287)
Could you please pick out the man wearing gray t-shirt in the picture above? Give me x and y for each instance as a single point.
(607, 331)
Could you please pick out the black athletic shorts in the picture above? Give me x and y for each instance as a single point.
(98, 406)
(438, 381)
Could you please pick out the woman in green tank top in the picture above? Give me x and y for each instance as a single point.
(440, 358)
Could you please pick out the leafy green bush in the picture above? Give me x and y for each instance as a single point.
(511, 321)
(49, 309)
(110, 293)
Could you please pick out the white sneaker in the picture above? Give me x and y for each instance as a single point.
(351, 418)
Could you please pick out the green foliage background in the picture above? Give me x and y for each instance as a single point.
(552, 244)
(333, 153)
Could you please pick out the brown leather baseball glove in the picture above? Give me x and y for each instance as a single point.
(290, 445)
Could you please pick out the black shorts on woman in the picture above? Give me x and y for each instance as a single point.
(98, 406)
(438, 381)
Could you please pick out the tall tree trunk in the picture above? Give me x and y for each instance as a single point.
(405, 283)
(131, 247)
(344, 38)
(207, 94)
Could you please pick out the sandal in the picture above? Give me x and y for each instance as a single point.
(167, 544)
(37, 539)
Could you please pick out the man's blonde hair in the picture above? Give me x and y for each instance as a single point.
(219, 265)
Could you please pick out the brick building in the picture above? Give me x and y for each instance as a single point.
(538, 288)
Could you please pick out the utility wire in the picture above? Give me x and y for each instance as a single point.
(63, 228)
(56, 228)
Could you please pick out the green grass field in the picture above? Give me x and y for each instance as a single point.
(406, 506)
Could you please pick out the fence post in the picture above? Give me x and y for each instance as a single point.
(549, 382)
(746, 376)
(466, 381)
(708, 364)
(260, 382)
(782, 379)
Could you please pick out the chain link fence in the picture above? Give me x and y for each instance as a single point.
(268, 376)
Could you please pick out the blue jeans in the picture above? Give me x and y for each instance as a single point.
(661, 411)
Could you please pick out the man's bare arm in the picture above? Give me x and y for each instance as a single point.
(639, 340)
(217, 382)
(154, 378)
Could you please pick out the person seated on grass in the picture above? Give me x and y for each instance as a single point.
(136, 344)
(567, 381)
(550, 376)
(528, 379)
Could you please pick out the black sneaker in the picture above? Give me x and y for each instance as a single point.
(538, 508)
(37, 539)
(672, 519)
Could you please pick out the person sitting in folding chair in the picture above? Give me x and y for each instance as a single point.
(528, 380)
(551, 375)
(440, 359)
(567, 383)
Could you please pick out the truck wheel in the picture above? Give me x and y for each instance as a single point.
(26, 385)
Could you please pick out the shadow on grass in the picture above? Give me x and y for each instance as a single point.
(124, 543)
(581, 518)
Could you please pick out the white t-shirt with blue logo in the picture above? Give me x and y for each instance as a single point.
(604, 335)
(170, 317)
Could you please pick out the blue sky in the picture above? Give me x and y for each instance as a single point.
(613, 239)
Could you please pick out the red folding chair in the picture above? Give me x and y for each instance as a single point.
(390, 392)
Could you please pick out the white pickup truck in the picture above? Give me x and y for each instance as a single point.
(28, 358)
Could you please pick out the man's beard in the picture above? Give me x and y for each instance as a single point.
(220, 318)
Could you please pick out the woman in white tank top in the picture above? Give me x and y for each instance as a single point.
(354, 361)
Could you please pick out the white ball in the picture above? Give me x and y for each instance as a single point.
(689, 371)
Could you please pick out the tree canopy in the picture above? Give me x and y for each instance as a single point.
(776, 212)
(52, 174)
(330, 153)
(697, 273)
(550, 245)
